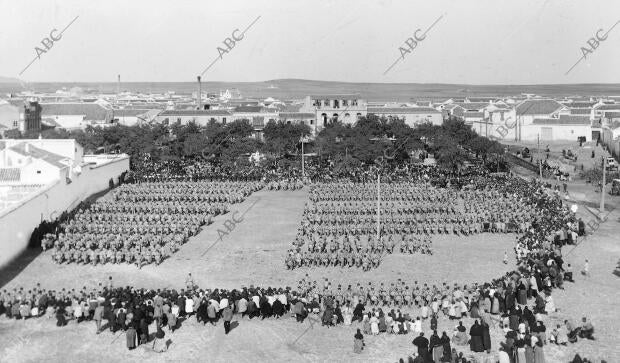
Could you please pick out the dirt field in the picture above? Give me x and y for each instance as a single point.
(253, 254)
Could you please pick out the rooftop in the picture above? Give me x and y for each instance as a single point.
(195, 113)
(564, 120)
(401, 110)
(27, 149)
(90, 111)
(538, 107)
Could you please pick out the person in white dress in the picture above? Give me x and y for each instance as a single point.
(374, 325)
(549, 304)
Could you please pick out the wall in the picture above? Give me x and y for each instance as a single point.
(560, 132)
(18, 222)
(8, 115)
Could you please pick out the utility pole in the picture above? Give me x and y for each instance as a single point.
(303, 170)
(199, 93)
(602, 208)
(378, 206)
(539, 158)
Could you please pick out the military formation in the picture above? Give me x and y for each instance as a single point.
(285, 184)
(345, 225)
(143, 223)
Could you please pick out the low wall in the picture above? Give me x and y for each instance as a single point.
(18, 222)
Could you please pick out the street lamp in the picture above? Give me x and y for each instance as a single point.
(602, 206)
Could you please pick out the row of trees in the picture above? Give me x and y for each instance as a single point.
(372, 136)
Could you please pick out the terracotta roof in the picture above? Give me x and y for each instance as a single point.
(255, 109)
(297, 115)
(538, 107)
(10, 174)
(36, 153)
(473, 106)
(401, 110)
(473, 114)
(611, 114)
(130, 112)
(608, 107)
(580, 111)
(580, 104)
(195, 113)
(90, 111)
(564, 120)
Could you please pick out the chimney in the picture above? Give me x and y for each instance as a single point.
(27, 147)
(199, 94)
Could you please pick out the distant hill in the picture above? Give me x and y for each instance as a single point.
(286, 89)
(9, 80)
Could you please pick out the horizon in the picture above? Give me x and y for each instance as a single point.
(17, 81)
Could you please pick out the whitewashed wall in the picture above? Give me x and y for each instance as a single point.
(18, 222)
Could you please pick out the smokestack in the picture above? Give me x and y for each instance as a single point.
(199, 94)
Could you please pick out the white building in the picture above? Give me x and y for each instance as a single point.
(71, 116)
(347, 108)
(412, 116)
(42, 178)
(200, 117)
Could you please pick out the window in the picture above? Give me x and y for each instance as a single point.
(178, 120)
(311, 122)
(15, 124)
(38, 171)
(502, 116)
(224, 120)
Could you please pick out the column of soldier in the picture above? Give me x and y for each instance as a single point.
(339, 225)
(143, 223)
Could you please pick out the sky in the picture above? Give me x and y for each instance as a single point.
(471, 41)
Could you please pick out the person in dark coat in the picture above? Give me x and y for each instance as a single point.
(144, 332)
(252, 309)
(510, 298)
(435, 347)
(447, 349)
(327, 318)
(522, 294)
(201, 313)
(278, 308)
(486, 336)
(422, 343)
(300, 311)
(131, 337)
(358, 312)
(60, 316)
(265, 308)
(227, 315)
(475, 343)
(434, 322)
(358, 344)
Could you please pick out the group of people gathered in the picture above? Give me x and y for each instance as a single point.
(347, 224)
(143, 223)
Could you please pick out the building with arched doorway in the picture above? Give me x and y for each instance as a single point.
(347, 108)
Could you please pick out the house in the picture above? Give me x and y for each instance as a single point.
(40, 161)
(72, 116)
(200, 117)
(536, 109)
(134, 116)
(412, 116)
(565, 127)
(600, 109)
(347, 108)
